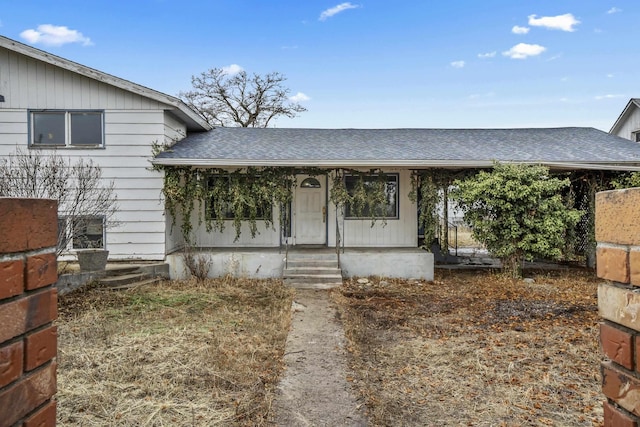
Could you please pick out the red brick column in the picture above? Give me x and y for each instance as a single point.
(28, 306)
(618, 258)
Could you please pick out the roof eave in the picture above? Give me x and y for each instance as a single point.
(633, 102)
(191, 118)
(410, 164)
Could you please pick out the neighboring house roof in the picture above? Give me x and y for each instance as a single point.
(628, 110)
(192, 119)
(562, 148)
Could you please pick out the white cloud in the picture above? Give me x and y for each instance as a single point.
(457, 64)
(613, 10)
(299, 97)
(524, 50)
(610, 75)
(337, 9)
(54, 35)
(520, 30)
(564, 22)
(487, 55)
(608, 96)
(232, 69)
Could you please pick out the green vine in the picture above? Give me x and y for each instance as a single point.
(428, 187)
(424, 185)
(368, 196)
(247, 195)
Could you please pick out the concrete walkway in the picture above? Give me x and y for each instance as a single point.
(313, 390)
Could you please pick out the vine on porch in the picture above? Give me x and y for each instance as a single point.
(366, 198)
(216, 192)
(247, 193)
(429, 188)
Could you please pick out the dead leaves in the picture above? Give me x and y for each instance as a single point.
(476, 348)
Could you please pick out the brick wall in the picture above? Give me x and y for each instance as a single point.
(28, 306)
(618, 261)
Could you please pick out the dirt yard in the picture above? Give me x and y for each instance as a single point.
(476, 349)
(175, 354)
(471, 348)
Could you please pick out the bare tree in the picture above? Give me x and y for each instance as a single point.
(241, 100)
(83, 198)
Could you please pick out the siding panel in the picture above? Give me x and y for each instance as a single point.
(632, 125)
(132, 124)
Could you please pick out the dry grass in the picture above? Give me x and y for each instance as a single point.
(465, 238)
(179, 353)
(476, 348)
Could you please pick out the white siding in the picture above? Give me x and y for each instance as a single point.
(632, 124)
(29, 83)
(132, 124)
(174, 130)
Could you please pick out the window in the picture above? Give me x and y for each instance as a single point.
(389, 209)
(81, 232)
(636, 136)
(88, 232)
(310, 182)
(264, 210)
(67, 128)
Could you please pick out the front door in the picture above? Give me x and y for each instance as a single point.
(310, 210)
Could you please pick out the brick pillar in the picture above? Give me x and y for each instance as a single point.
(28, 306)
(618, 261)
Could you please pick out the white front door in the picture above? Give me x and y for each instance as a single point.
(310, 210)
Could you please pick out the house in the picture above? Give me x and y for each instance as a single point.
(628, 123)
(315, 155)
(47, 101)
(39, 91)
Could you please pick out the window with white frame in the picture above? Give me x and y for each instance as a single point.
(82, 232)
(388, 210)
(635, 136)
(57, 128)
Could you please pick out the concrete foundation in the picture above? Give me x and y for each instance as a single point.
(269, 263)
(253, 264)
(394, 263)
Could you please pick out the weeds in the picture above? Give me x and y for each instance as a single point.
(476, 348)
(196, 265)
(198, 353)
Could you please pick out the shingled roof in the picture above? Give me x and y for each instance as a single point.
(562, 148)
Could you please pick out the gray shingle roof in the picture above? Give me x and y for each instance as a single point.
(401, 147)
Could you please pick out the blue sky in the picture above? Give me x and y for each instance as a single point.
(369, 63)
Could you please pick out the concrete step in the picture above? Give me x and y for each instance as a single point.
(122, 279)
(310, 271)
(133, 285)
(314, 285)
(320, 278)
(329, 256)
(120, 270)
(301, 263)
